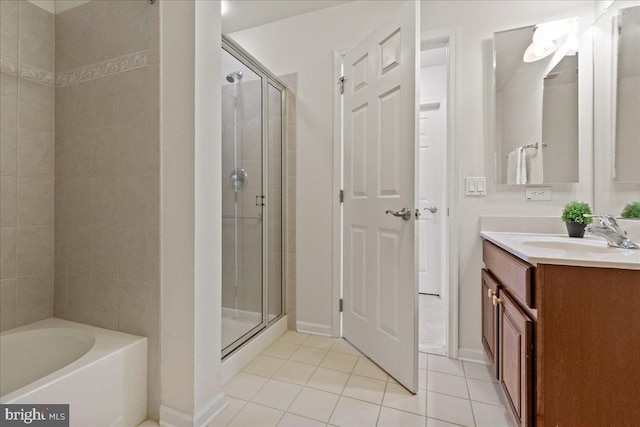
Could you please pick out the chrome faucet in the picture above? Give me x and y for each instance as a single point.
(610, 230)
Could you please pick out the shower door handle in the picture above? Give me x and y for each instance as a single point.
(404, 213)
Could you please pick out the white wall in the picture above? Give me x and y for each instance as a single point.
(475, 22)
(433, 83)
(191, 220)
(304, 44)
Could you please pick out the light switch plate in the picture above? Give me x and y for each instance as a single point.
(475, 186)
(537, 194)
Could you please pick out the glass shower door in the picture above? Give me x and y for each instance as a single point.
(242, 202)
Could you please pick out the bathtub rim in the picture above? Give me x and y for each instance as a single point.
(107, 342)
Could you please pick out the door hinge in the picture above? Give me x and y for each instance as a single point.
(341, 85)
(341, 305)
(341, 196)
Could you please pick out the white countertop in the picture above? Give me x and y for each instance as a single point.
(591, 251)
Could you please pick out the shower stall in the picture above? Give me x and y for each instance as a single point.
(253, 106)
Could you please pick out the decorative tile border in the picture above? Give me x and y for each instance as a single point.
(9, 66)
(37, 75)
(111, 66)
(26, 71)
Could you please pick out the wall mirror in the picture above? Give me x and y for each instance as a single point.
(616, 50)
(536, 103)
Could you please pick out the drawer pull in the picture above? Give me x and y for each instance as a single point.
(496, 300)
(490, 293)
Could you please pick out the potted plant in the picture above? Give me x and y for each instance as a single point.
(573, 216)
(632, 210)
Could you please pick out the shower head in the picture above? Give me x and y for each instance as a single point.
(231, 77)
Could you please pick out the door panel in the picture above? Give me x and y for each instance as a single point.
(432, 136)
(380, 265)
(516, 333)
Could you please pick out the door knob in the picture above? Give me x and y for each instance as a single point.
(432, 209)
(404, 213)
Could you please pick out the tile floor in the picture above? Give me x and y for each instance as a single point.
(305, 380)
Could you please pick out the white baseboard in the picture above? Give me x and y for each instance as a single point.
(241, 358)
(204, 416)
(170, 417)
(314, 328)
(471, 355)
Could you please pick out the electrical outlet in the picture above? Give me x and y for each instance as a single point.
(537, 194)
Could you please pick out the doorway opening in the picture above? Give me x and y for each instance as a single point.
(432, 223)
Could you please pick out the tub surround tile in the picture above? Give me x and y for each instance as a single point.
(9, 10)
(35, 106)
(35, 202)
(8, 151)
(34, 154)
(34, 298)
(34, 250)
(8, 199)
(8, 293)
(8, 252)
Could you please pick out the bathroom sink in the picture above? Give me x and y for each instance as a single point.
(563, 245)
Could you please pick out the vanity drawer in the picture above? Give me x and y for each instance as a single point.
(512, 273)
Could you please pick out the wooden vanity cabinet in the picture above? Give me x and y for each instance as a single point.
(564, 341)
(516, 358)
(508, 328)
(490, 319)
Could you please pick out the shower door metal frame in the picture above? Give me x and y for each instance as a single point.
(266, 78)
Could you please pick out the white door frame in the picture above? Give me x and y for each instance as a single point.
(451, 272)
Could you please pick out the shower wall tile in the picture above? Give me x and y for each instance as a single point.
(34, 154)
(104, 101)
(61, 251)
(105, 201)
(8, 293)
(79, 202)
(104, 253)
(8, 201)
(105, 151)
(107, 171)
(79, 298)
(9, 28)
(34, 299)
(8, 252)
(8, 99)
(35, 106)
(60, 282)
(36, 37)
(34, 250)
(8, 151)
(35, 202)
(104, 298)
(133, 308)
(133, 26)
(79, 250)
(102, 19)
(26, 165)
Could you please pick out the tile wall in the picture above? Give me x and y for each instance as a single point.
(27, 163)
(107, 177)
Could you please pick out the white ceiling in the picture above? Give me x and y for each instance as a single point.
(509, 47)
(243, 14)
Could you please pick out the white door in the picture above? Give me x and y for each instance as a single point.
(380, 143)
(432, 127)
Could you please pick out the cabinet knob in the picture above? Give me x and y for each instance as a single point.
(496, 300)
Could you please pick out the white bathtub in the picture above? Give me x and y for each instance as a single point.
(101, 374)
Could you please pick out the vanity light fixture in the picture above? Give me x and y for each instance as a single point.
(545, 37)
(537, 51)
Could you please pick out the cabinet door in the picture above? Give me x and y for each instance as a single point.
(490, 319)
(516, 330)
